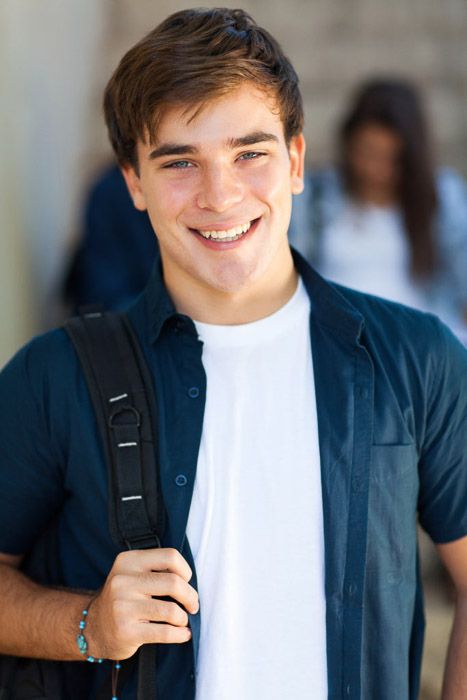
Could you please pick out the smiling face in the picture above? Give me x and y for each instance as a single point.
(217, 185)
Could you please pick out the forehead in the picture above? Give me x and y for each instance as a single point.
(227, 116)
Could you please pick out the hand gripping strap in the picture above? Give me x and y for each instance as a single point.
(122, 394)
(125, 406)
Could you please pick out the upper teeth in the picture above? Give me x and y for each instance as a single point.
(229, 233)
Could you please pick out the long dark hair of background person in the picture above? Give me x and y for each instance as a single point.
(395, 105)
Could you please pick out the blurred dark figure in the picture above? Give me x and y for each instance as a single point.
(114, 257)
(384, 220)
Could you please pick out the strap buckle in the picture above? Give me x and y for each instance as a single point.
(144, 542)
(121, 411)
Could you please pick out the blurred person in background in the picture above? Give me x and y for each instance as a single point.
(115, 251)
(385, 221)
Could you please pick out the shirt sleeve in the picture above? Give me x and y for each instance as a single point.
(443, 460)
(31, 482)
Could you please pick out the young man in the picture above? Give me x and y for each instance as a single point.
(302, 426)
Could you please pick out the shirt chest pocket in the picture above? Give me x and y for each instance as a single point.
(392, 509)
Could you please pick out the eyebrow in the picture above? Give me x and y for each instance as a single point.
(178, 149)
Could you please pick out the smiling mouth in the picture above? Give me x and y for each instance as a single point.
(227, 235)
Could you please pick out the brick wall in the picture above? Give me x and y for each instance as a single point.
(336, 43)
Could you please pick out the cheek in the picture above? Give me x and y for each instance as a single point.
(270, 185)
(168, 201)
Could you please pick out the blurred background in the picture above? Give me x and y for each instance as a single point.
(55, 58)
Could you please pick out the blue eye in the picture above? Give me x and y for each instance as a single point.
(181, 164)
(251, 155)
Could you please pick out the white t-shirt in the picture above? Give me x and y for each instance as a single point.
(256, 525)
(366, 248)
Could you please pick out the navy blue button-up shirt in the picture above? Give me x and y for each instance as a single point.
(391, 392)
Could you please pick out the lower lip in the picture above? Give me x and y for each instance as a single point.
(226, 245)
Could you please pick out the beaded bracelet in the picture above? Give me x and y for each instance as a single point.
(83, 648)
(81, 639)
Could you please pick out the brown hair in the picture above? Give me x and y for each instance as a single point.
(191, 57)
(396, 105)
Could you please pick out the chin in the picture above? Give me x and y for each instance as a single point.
(235, 277)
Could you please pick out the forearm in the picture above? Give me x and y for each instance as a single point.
(37, 621)
(455, 677)
(42, 622)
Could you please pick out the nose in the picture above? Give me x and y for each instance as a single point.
(220, 189)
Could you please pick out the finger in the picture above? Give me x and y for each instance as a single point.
(157, 633)
(167, 584)
(123, 588)
(164, 559)
(156, 610)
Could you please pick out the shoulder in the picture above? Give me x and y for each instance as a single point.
(40, 388)
(377, 311)
(46, 361)
(50, 348)
(421, 366)
(397, 333)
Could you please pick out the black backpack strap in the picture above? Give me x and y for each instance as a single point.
(147, 663)
(125, 406)
(124, 403)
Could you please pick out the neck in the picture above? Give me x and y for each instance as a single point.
(250, 303)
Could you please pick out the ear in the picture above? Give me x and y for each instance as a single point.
(133, 183)
(297, 148)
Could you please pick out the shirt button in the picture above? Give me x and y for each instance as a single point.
(352, 589)
(362, 392)
(181, 480)
(193, 392)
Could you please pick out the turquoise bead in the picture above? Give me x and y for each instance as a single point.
(82, 644)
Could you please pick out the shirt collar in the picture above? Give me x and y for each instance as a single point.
(329, 306)
(154, 307)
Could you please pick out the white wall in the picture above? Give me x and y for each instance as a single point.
(48, 54)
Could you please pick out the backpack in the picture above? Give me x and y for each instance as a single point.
(124, 403)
